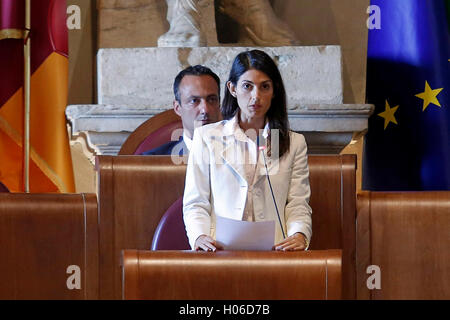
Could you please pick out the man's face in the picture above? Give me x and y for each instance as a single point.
(200, 103)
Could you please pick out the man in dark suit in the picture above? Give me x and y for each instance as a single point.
(197, 102)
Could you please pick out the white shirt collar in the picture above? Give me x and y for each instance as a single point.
(233, 126)
(187, 141)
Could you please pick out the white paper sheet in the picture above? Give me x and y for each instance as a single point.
(245, 235)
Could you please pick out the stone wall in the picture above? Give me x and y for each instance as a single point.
(138, 23)
(144, 76)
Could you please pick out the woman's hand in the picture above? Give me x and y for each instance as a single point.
(296, 242)
(206, 243)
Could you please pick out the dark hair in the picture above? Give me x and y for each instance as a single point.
(277, 113)
(197, 70)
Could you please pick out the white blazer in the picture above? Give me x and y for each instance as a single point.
(216, 184)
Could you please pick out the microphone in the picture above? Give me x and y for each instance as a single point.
(263, 148)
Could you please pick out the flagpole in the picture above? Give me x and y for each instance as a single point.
(26, 86)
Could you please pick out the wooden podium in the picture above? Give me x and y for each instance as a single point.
(232, 275)
(136, 191)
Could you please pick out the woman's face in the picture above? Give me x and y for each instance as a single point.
(254, 93)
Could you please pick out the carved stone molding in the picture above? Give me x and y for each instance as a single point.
(327, 128)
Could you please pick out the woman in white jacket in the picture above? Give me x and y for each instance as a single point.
(230, 161)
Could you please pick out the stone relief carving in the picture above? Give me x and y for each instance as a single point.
(185, 30)
(256, 17)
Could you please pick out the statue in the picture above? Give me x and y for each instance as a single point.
(255, 16)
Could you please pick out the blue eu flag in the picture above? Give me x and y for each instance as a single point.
(407, 146)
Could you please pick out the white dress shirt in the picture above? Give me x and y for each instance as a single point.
(187, 140)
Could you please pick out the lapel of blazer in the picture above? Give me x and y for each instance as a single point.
(229, 143)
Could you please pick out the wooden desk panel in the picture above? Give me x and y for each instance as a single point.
(407, 235)
(231, 275)
(41, 235)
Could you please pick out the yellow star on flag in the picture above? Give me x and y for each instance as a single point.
(429, 96)
(388, 115)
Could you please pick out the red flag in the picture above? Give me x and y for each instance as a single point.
(12, 15)
(50, 159)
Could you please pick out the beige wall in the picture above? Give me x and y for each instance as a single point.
(82, 51)
(340, 22)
